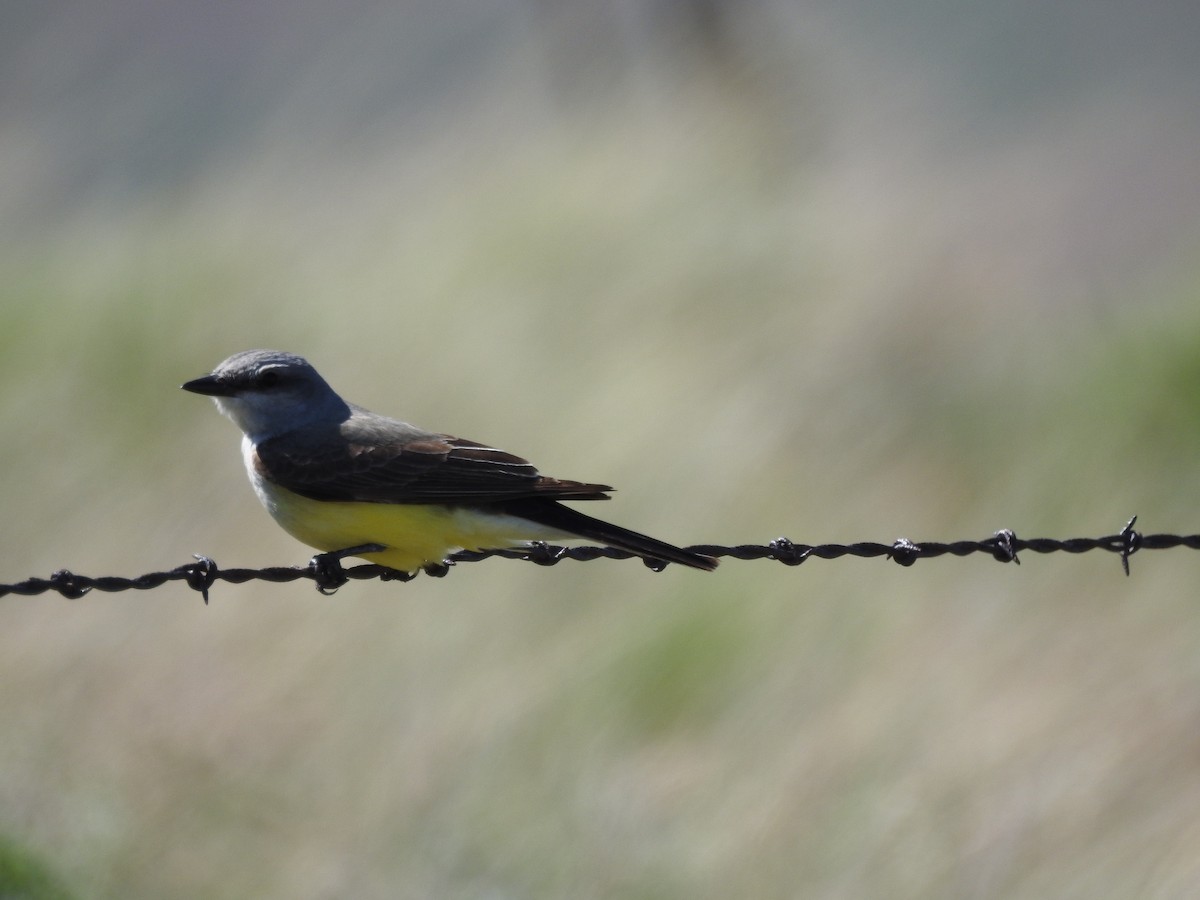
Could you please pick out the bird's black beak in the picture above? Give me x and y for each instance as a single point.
(209, 385)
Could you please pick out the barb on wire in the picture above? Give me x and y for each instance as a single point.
(326, 571)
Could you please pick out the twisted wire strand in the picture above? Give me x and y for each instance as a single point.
(326, 571)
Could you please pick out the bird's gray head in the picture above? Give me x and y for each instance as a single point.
(269, 392)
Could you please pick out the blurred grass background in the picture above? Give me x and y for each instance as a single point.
(838, 271)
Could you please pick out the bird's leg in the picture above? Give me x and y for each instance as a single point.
(327, 567)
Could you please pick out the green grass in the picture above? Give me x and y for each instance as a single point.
(25, 877)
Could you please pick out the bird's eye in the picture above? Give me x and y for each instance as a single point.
(267, 379)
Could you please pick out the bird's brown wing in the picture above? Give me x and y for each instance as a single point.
(366, 465)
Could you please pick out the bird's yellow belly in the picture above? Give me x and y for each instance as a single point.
(414, 534)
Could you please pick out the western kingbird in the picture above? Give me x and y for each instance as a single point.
(336, 476)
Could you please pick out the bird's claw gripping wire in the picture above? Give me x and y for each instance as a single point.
(326, 568)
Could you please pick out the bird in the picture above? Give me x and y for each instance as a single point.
(349, 482)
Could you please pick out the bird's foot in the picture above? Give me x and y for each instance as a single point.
(326, 568)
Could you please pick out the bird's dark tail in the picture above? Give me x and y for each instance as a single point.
(569, 521)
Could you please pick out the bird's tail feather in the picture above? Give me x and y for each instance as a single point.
(563, 518)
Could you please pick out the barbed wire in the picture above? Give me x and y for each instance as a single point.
(327, 572)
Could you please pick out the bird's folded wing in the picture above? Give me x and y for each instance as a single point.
(421, 468)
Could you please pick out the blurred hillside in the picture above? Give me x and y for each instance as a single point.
(837, 271)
